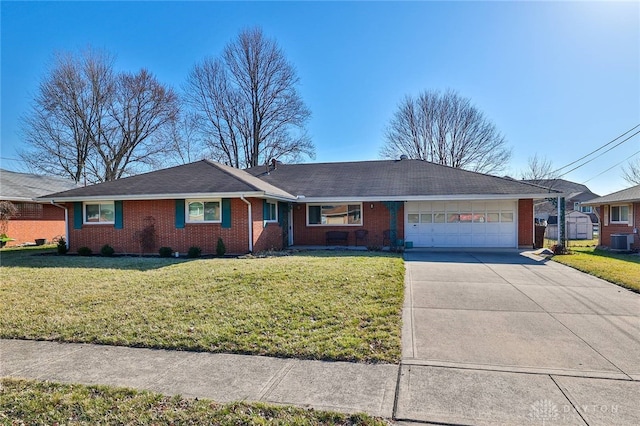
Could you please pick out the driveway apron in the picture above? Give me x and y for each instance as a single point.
(509, 338)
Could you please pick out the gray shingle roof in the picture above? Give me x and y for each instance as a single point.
(15, 186)
(561, 185)
(389, 179)
(572, 190)
(386, 179)
(201, 177)
(628, 195)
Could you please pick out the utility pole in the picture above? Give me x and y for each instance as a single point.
(561, 224)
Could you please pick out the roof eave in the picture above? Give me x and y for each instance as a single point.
(604, 202)
(20, 199)
(453, 197)
(177, 196)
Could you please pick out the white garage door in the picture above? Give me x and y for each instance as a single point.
(461, 223)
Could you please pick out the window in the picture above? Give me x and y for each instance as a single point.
(413, 218)
(493, 217)
(203, 211)
(586, 209)
(426, 218)
(619, 214)
(99, 212)
(479, 218)
(506, 216)
(270, 211)
(334, 214)
(466, 217)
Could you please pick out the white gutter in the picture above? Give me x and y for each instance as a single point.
(250, 223)
(462, 197)
(66, 222)
(140, 197)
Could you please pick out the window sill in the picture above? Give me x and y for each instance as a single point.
(204, 223)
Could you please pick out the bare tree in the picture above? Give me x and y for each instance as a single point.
(186, 141)
(538, 169)
(141, 107)
(67, 113)
(447, 129)
(247, 99)
(631, 172)
(87, 122)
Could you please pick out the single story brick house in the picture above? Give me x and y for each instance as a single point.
(369, 203)
(36, 220)
(619, 215)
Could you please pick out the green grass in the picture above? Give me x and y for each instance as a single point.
(319, 305)
(572, 243)
(621, 269)
(32, 402)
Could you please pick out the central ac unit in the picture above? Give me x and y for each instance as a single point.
(621, 241)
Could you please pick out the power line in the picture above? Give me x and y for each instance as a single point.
(598, 149)
(601, 154)
(615, 165)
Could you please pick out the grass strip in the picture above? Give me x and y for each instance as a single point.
(36, 402)
(618, 268)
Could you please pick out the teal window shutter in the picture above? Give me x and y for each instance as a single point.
(77, 215)
(265, 213)
(226, 213)
(283, 211)
(118, 224)
(179, 214)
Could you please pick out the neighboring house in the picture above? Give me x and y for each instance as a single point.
(388, 202)
(35, 219)
(619, 215)
(576, 195)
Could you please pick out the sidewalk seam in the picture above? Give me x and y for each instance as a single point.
(275, 380)
(568, 399)
(396, 397)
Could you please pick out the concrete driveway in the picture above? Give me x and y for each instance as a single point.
(507, 338)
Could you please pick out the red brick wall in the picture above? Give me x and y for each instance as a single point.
(205, 236)
(48, 226)
(267, 237)
(525, 223)
(607, 229)
(374, 220)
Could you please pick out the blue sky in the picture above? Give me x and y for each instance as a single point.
(557, 78)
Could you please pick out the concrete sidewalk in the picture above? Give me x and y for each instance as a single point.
(337, 386)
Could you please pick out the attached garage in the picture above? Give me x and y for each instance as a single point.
(461, 223)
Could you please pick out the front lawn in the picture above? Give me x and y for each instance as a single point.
(31, 402)
(316, 305)
(621, 269)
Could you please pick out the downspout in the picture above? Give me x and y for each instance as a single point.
(66, 222)
(250, 223)
(596, 211)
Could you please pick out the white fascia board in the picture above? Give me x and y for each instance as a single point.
(143, 197)
(466, 197)
(279, 197)
(609, 202)
(23, 200)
